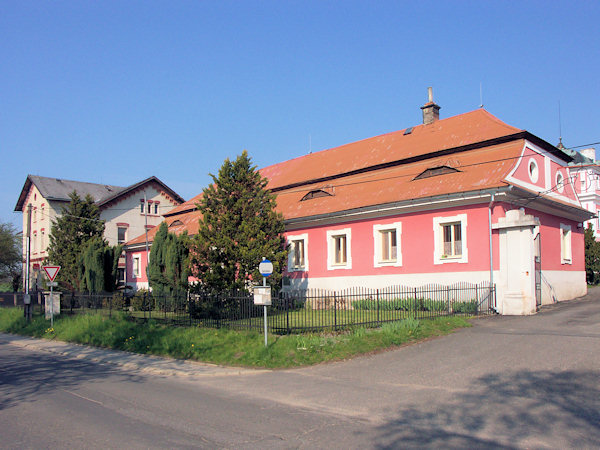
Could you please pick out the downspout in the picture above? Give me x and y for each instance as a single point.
(490, 233)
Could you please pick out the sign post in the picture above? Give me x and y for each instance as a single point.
(51, 272)
(262, 294)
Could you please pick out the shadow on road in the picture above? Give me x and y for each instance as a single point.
(26, 374)
(525, 408)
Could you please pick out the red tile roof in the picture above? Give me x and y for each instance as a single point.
(188, 221)
(464, 129)
(477, 170)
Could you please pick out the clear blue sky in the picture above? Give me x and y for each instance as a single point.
(113, 92)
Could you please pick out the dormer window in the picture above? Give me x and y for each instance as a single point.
(176, 223)
(435, 171)
(316, 193)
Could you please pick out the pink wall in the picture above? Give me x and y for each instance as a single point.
(522, 170)
(143, 264)
(522, 173)
(417, 244)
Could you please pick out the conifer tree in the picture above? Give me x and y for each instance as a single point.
(592, 255)
(239, 226)
(99, 266)
(168, 268)
(70, 233)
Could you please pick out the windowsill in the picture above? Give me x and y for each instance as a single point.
(339, 266)
(298, 269)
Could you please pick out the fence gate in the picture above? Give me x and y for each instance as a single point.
(537, 251)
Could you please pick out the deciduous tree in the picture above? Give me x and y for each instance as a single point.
(10, 254)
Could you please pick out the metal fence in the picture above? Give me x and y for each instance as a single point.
(291, 311)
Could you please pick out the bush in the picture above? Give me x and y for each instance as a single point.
(465, 307)
(116, 301)
(141, 300)
(405, 304)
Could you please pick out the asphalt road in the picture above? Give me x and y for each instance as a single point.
(507, 382)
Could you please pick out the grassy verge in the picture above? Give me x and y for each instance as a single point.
(223, 346)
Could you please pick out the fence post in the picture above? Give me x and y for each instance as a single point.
(335, 310)
(287, 313)
(377, 297)
(477, 299)
(448, 298)
(415, 299)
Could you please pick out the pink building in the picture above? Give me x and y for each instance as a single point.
(467, 198)
(184, 217)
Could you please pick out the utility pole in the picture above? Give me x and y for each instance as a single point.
(27, 298)
(146, 229)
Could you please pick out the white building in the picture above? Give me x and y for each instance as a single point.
(127, 211)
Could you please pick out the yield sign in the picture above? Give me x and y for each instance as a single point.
(51, 271)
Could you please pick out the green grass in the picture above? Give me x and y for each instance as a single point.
(225, 346)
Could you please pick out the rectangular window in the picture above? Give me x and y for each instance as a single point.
(121, 276)
(298, 249)
(149, 206)
(389, 248)
(450, 239)
(121, 235)
(142, 206)
(386, 240)
(42, 241)
(339, 249)
(565, 244)
(136, 267)
(298, 254)
(156, 208)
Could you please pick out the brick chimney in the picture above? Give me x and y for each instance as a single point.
(431, 111)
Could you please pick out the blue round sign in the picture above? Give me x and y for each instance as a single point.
(265, 268)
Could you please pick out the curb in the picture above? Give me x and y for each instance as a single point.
(149, 364)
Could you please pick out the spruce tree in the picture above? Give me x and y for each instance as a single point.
(70, 233)
(239, 226)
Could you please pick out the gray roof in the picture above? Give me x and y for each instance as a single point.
(57, 189)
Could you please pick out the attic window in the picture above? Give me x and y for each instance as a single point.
(408, 131)
(177, 223)
(435, 171)
(316, 193)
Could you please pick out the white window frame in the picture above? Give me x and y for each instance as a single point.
(136, 266)
(331, 235)
(378, 231)
(566, 254)
(438, 236)
(292, 256)
(560, 181)
(533, 170)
